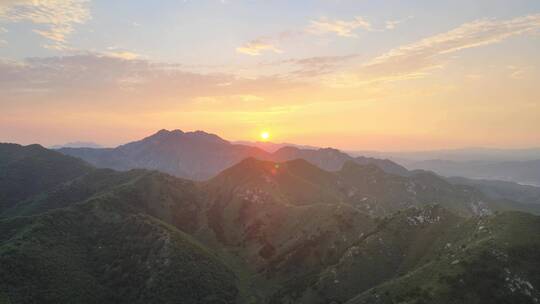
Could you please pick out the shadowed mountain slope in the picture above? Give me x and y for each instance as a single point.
(29, 170)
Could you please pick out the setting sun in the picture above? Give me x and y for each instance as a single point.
(265, 136)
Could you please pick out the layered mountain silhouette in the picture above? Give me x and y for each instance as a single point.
(526, 172)
(258, 232)
(78, 144)
(200, 155)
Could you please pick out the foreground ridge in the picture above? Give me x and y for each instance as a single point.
(259, 232)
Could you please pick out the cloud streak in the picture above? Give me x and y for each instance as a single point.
(426, 54)
(392, 24)
(322, 26)
(312, 67)
(341, 28)
(112, 80)
(418, 59)
(56, 19)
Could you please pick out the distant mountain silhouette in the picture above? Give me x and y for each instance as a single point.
(195, 155)
(273, 147)
(524, 172)
(498, 189)
(458, 155)
(78, 144)
(200, 155)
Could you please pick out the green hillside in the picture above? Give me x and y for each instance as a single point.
(30, 170)
(259, 232)
(97, 253)
(70, 192)
(487, 260)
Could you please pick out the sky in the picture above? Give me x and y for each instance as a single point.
(351, 74)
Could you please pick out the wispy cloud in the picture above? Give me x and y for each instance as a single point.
(93, 77)
(341, 28)
(124, 55)
(118, 52)
(55, 19)
(392, 24)
(316, 66)
(518, 72)
(257, 46)
(416, 59)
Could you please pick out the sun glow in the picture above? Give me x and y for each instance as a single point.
(265, 136)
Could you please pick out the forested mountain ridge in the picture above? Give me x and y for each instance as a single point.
(259, 232)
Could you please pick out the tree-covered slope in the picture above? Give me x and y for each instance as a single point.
(484, 260)
(73, 191)
(28, 170)
(399, 244)
(304, 228)
(99, 253)
(366, 187)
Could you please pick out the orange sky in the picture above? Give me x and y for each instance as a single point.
(326, 77)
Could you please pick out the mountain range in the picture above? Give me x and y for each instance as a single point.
(457, 155)
(78, 144)
(273, 147)
(199, 155)
(259, 231)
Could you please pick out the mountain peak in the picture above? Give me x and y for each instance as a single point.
(252, 163)
(251, 167)
(164, 132)
(330, 150)
(209, 137)
(178, 134)
(286, 150)
(77, 144)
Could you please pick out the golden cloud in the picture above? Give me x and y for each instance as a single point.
(256, 47)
